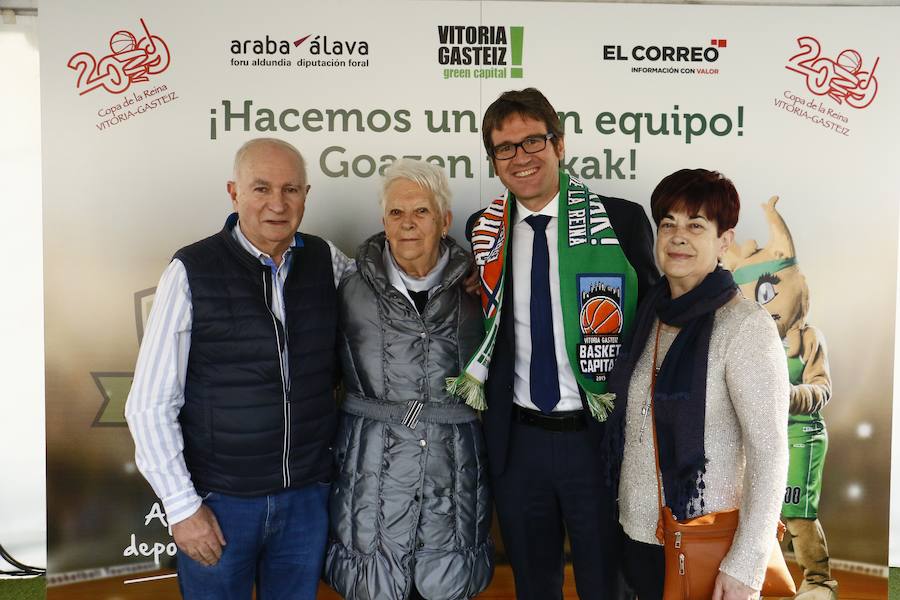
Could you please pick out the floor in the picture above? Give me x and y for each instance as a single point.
(854, 586)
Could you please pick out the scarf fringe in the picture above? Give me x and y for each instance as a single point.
(469, 389)
(685, 494)
(601, 405)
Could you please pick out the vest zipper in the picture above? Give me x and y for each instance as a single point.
(285, 471)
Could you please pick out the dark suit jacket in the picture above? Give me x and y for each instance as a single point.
(636, 239)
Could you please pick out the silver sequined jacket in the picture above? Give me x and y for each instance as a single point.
(747, 394)
(408, 503)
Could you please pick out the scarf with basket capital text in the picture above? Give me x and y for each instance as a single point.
(598, 292)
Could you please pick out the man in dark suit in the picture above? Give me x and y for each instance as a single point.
(542, 427)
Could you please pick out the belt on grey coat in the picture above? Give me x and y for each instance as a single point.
(408, 413)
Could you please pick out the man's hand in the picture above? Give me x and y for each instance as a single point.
(729, 588)
(199, 536)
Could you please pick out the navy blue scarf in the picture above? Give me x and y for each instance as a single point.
(680, 397)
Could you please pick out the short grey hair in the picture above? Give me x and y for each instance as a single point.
(262, 141)
(427, 175)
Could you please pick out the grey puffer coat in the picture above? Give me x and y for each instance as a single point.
(407, 504)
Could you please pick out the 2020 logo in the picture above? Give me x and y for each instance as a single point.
(131, 60)
(844, 79)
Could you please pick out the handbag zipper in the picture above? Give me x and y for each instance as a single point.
(678, 539)
(715, 533)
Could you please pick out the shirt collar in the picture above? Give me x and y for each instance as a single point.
(551, 210)
(247, 245)
(403, 281)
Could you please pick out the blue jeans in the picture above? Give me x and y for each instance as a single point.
(276, 541)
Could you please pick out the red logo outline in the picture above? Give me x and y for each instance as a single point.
(132, 60)
(842, 80)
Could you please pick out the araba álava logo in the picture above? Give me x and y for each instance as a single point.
(324, 52)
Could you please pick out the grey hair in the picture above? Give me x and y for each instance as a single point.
(427, 175)
(261, 141)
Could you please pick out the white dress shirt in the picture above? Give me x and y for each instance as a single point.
(157, 393)
(569, 398)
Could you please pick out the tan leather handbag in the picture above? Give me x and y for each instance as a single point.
(694, 548)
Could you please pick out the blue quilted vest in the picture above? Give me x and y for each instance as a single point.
(248, 431)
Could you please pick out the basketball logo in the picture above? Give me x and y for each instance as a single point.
(600, 315)
(850, 60)
(601, 320)
(122, 41)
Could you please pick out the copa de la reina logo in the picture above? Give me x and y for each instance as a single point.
(848, 78)
(480, 51)
(131, 60)
(838, 81)
(308, 51)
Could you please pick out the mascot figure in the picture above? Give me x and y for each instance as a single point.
(771, 276)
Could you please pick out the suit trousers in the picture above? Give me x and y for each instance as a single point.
(552, 485)
(644, 566)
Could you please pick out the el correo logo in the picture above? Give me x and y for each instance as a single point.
(668, 59)
(666, 53)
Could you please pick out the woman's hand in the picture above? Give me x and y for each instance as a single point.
(729, 588)
(472, 282)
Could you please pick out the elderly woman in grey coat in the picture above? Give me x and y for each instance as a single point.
(410, 506)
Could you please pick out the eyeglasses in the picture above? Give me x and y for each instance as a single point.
(530, 145)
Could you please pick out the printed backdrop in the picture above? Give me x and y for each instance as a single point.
(144, 106)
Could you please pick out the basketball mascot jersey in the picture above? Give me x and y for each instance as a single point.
(772, 277)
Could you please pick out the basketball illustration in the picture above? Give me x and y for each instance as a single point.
(850, 60)
(600, 315)
(122, 41)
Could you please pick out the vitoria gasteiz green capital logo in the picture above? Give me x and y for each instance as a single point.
(480, 51)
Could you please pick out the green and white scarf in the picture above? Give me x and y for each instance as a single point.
(598, 292)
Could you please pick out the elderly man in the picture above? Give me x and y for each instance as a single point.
(231, 409)
(562, 269)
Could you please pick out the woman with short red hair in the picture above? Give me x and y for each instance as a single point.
(714, 365)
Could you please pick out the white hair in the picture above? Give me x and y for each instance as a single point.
(427, 175)
(262, 141)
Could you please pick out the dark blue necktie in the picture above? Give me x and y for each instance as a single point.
(544, 376)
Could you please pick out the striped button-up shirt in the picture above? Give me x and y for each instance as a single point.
(157, 393)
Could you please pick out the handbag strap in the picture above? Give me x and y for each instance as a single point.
(660, 530)
(660, 534)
